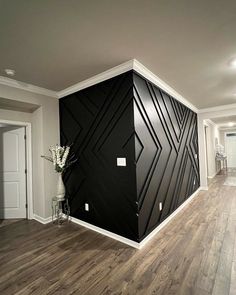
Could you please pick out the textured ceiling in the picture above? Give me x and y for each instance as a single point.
(188, 44)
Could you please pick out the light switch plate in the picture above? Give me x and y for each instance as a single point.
(121, 161)
(86, 207)
(160, 206)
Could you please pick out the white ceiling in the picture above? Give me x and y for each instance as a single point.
(188, 44)
(223, 122)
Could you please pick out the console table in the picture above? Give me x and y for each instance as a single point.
(222, 159)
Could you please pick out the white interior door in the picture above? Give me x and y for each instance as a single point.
(231, 149)
(12, 172)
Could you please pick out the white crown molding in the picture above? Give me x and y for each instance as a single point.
(115, 71)
(120, 69)
(27, 87)
(142, 70)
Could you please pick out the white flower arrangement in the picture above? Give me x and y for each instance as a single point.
(60, 158)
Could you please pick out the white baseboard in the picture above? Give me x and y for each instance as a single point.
(42, 220)
(149, 237)
(168, 219)
(105, 232)
(213, 175)
(203, 188)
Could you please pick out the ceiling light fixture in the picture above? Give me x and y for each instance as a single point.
(10, 72)
(230, 124)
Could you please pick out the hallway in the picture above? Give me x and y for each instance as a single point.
(194, 254)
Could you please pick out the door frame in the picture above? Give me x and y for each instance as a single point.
(227, 132)
(206, 128)
(29, 184)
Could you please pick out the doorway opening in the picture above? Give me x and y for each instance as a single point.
(219, 133)
(230, 148)
(15, 171)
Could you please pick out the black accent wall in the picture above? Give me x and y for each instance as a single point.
(127, 116)
(166, 153)
(99, 121)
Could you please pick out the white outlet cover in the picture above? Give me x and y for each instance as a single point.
(121, 161)
(86, 207)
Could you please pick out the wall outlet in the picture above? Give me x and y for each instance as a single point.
(121, 161)
(160, 206)
(86, 207)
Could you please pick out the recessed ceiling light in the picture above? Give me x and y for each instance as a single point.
(10, 72)
(232, 62)
(230, 124)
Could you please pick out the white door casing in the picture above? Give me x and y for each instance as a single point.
(230, 142)
(12, 172)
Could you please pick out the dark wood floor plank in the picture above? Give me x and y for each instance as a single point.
(195, 254)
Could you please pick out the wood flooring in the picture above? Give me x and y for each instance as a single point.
(194, 254)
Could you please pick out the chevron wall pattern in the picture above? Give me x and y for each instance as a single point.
(128, 117)
(166, 147)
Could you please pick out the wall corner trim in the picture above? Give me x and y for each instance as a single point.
(42, 220)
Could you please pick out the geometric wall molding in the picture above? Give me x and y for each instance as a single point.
(167, 170)
(129, 117)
